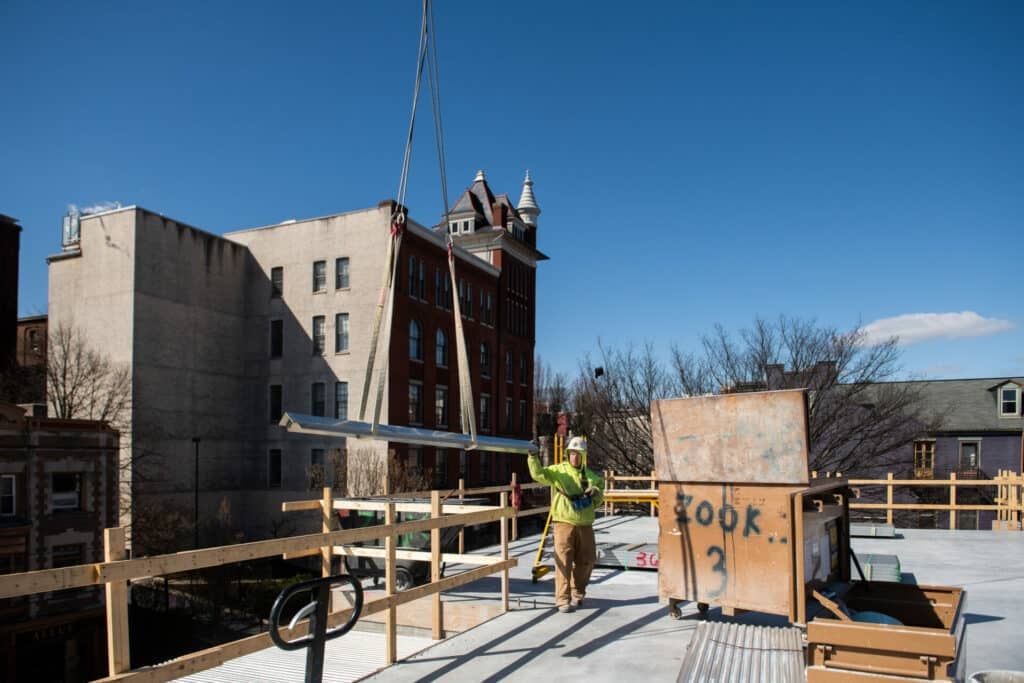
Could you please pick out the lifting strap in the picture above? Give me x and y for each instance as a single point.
(383, 314)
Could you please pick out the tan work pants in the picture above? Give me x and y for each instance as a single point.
(575, 555)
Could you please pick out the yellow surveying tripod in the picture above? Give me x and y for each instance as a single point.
(558, 455)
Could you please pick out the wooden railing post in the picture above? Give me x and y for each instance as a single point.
(462, 534)
(515, 518)
(504, 552)
(654, 485)
(888, 499)
(437, 632)
(327, 519)
(952, 500)
(390, 621)
(118, 647)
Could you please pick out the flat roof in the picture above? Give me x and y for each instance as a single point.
(622, 629)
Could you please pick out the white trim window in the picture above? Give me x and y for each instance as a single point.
(341, 273)
(1009, 401)
(970, 454)
(8, 496)
(319, 276)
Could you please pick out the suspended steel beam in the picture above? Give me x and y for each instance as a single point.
(326, 426)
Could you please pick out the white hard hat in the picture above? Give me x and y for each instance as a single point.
(577, 443)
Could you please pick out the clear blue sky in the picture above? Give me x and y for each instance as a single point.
(695, 163)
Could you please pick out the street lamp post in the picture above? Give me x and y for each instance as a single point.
(195, 440)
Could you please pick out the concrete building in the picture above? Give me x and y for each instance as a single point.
(222, 334)
(58, 491)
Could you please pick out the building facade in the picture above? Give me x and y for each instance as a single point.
(223, 334)
(981, 432)
(10, 244)
(58, 492)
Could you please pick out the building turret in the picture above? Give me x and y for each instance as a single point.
(528, 208)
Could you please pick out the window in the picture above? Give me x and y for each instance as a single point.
(276, 282)
(341, 332)
(319, 402)
(318, 335)
(415, 403)
(970, 452)
(441, 467)
(275, 403)
(319, 276)
(67, 491)
(440, 406)
(485, 360)
(508, 415)
(412, 276)
(274, 469)
(469, 300)
(415, 461)
(485, 467)
(423, 280)
(485, 411)
(924, 457)
(508, 367)
(490, 309)
(7, 495)
(441, 349)
(523, 426)
(341, 273)
(438, 290)
(1008, 401)
(68, 555)
(317, 469)
(415, 340)
(341, 400)
(276, 338)
(522, 369)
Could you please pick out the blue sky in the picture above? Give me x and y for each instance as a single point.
(696, 163)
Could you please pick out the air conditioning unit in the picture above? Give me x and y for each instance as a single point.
(69, 235)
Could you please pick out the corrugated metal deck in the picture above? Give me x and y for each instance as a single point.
(727, 651)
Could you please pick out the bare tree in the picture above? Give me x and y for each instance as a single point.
(613, 407)
(83, 383)
(858, 417)
(551, 395)
(361, 472)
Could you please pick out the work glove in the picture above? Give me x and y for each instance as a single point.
(591, 491)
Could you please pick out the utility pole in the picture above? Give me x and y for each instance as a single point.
(195, 440)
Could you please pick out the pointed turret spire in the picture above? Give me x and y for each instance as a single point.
(528, 208)
(479, 176)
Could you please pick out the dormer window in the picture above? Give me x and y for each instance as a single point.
(467, 226)
(1009, 401)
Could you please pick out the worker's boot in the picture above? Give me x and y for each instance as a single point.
(566, 608)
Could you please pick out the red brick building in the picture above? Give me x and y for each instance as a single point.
(58, 491)
(497, 295)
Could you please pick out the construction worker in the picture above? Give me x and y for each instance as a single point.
(576, 493)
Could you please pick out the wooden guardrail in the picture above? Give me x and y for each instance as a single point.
(115, 571)
(1008, 505)
(629, 494)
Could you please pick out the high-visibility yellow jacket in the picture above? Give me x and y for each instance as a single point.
(566, 482)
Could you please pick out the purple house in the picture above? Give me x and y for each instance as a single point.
(981, 426)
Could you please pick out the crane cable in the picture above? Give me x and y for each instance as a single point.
(385, 301)
(427, 57)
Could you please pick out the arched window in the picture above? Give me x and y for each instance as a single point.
(441, 349)
(415, 340)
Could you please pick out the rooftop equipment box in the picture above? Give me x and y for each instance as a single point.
(741, 527)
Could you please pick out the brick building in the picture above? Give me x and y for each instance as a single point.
(58, 491)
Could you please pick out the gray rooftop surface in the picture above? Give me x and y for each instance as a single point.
(623, 630)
